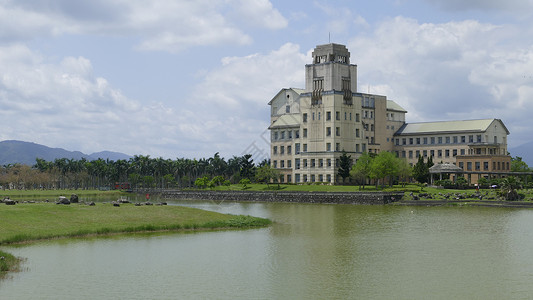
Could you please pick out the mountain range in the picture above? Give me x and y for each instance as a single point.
(525, 151)
(12, 152)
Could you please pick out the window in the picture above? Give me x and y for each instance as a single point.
(275, 164)
(321, 163)
(282, 164)
(337, 116)
(350, 116)
(289, 148)
(305, 132)
(478, 138)
(470, 138)
(356, 147)
(319, 115)
(305, 163)
(357, 132)
(485, 165)
(297, 148)
(297, 178)
(328, 146)
(418, 141)
(320, 178)
(461, 165)
(454, 152)
(275, 149)
(356, 117)
(397, 142)
(410, 154)
(371, 127)
(312, 163)
(403, 154)
(455, 139)
(328, 178)
(345, 116)
(297, 134)
(478, 166)
(297, 164)
(304, 118)
(287, 109)
(425, 141)
(462, 151)
(432, 153)
(425, 153)
(337, 147)
(305, 178)
(439, 153)
(290, 134)
(305, 147)
(469, 166)
(447, 153)
(463, 139)
(313, 116)
(432, 140)
(282, 150)
(411, 141)
(337, 131)
(328, 131)
(313, 178)
(417, 153)
(289, 178)
(447, 140)
(440, 139)
(404, 141)
(275, 135)
(328, 116)
(283, 135)
(328, 161)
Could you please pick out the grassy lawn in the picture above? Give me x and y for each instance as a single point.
(26, 222)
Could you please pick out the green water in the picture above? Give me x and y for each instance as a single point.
(311, 252)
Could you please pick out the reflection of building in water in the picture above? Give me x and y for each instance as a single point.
(311, 127)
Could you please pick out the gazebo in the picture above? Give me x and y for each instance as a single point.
(444, 168)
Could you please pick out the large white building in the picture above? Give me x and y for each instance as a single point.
(311, 127)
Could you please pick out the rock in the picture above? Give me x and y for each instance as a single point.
(74, 198)
(63, 200)
(91, 204)
(148, 203)
(9, 202)
(115, 203)
(138, 204)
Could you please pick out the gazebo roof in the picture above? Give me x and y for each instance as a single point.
(445, 168)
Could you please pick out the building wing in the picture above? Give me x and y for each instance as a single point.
(286, 121)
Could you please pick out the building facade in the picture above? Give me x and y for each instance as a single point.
(311, 128)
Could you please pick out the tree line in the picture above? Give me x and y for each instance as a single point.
(140, 171)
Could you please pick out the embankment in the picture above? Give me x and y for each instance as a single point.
(279, 196)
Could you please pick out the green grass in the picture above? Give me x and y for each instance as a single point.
(305, 188)
(27, 222)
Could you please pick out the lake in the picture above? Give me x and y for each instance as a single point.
(312, 251)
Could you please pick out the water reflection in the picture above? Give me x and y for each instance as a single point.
(311, 252)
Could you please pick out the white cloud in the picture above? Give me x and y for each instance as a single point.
(483, 5)
(455, 70)
(162, 25)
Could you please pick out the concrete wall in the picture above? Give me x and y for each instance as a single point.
(296, 197)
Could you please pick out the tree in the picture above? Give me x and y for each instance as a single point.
(345, 165)
(267, 174)
(405, 171)
(508, 187)
(362, 169)
(517, 165)
(421, 170)
(247, 168)
(385, 165)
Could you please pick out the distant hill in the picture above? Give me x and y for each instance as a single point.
(12, 152)
(525, 151)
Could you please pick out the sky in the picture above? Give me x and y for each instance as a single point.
(172, 79)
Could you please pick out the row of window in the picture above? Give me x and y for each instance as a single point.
(442, 140)
(426, 153)
(304, 163)
(358, 148)
(318, 115)
(310, 178)
(496, 166)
